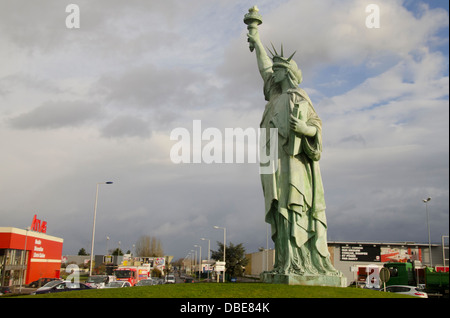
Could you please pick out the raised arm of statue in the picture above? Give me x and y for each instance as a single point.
(264, 61)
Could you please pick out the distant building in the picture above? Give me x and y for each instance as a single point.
(259, 262)
(352, 258)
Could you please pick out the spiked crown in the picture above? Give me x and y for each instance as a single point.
(280, 61)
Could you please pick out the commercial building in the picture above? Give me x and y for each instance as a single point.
(27, 255)
(352, 258)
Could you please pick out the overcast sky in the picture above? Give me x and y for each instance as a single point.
(99, 102)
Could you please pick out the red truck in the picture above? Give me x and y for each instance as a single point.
(132, 274)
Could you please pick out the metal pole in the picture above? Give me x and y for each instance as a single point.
(200, 269)
(224, 246)
(23, 261)
(93, 232)
(93, 227)
(192, 262)
(267, 247)
(444, 248)
(209, 257)
(428, 225)
(200, 261)
(209, 247)
(224, 249)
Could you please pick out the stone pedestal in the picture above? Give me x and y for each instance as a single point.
(292, 279)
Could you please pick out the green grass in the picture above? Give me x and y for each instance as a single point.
(227, 290)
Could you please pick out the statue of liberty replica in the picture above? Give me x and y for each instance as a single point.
(293, 193)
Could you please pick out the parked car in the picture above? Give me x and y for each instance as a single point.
(50, 284)
(53, 287)
(406, 290)
(170, 279)
(5, 290)
(41, 282)
(99, 281)
(118, 284)
(146, 282)
(159, 281)
(188, 280)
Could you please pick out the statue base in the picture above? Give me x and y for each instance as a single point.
(309, 280)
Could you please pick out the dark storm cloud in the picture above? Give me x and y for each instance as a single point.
(127, 126)
(56, 114)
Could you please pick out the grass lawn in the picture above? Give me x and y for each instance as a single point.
(223, 290)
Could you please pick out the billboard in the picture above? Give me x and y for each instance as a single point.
(375, 253)
(360, 253)
(401, 254)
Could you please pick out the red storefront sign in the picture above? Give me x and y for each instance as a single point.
(38, 226)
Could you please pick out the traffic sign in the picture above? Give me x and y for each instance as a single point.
(220, 266)
(385, 275)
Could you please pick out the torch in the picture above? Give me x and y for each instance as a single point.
(252, 19)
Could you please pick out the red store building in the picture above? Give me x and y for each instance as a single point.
(27, 255)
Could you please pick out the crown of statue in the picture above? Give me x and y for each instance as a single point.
(280, 61)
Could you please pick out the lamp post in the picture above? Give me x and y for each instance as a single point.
(267, 247)
(209, 251)
(93, 226)
(190, 263)
(23, 261)
(200, 269)
(428, 226)
(107, 242)
(194, 260)
(224, 246)
(184, 261)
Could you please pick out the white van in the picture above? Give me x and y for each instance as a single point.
(170, 279)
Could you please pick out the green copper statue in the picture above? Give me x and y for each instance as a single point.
(294, 196)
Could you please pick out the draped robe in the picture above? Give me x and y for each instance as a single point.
(294, 195)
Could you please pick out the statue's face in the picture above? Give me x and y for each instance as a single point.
(279, 74)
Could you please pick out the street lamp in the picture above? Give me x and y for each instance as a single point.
(200, 261)
(209, 251)
(23, 260)
(194, 259)
(184, 261)
(224, 245)
(107, 241)
(93, 226)
(428, 225)
(267, 247)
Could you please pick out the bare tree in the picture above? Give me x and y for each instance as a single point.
(149, 246)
